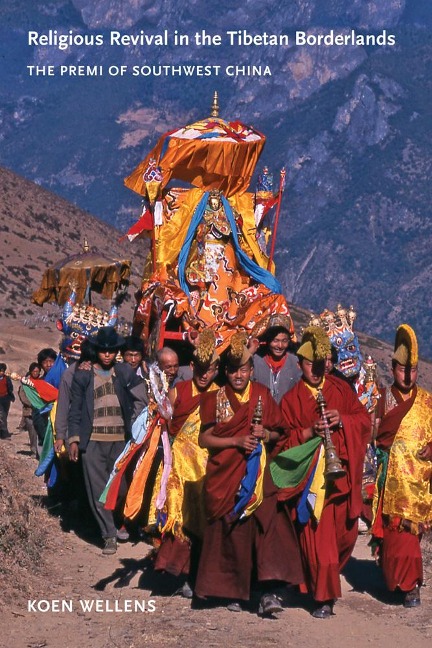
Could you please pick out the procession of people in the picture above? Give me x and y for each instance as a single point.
(240, 493)
(246, 457)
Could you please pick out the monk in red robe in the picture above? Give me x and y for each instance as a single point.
(247, 528)
(326, 509)
(403, 495)
(184, 517)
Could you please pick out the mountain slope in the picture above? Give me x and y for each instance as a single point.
(37, 229)
(351, 124)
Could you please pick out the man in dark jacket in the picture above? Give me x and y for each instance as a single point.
(103, 402)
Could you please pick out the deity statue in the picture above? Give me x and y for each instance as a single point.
(219, 278)
(212, 264)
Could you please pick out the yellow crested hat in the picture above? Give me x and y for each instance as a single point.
(205, 351)
(405, 347)
(315, 344)
(238, 353)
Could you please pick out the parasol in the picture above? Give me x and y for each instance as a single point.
(90, 270)
(210, 154)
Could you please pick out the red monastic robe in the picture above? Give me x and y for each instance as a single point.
(400, 553)
(327, 545)
(226, 563)
(175, 555)
(184, 404)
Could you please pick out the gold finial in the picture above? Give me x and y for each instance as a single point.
(215, 105)
(257, 416)
(86, 247)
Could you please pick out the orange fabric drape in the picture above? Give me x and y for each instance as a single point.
(135, 494)
(207, 164)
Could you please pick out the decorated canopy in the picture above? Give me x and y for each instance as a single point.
(210, 154)
(88, 271)
(208, 269)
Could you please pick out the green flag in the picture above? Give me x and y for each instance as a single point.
(290, 467)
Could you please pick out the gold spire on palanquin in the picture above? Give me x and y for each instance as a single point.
(215, 105)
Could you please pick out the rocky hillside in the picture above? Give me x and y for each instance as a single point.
(38, 229)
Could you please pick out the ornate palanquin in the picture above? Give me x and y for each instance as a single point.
(207, 267)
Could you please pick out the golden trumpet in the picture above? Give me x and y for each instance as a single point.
(333, 467)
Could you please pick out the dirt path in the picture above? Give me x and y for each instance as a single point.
(104, 598)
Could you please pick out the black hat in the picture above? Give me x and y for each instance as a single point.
(107, 338)
(133, 343)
